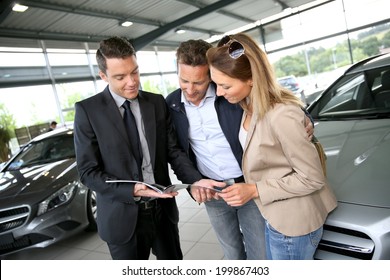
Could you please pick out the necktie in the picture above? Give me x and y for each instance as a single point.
(132, 132)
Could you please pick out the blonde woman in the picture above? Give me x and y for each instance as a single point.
(282, 169)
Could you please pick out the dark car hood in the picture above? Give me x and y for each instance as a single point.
(32, 184)
(358, 157)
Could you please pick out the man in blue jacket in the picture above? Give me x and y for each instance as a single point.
(207, 127)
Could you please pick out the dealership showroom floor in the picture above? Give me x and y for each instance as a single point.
(198, 240)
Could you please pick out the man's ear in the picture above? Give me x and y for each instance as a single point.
(103, 76)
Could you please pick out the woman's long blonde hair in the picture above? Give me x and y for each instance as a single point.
(253, 64)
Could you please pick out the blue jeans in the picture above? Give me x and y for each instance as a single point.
(283, 247)
(240, 230)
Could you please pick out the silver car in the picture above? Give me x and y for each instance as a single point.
(41, 198)
(353, 123)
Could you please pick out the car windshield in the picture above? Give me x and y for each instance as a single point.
(360, 95)
(47, 150)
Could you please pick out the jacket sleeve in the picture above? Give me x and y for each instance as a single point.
(179, 160)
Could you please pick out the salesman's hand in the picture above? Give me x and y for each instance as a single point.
(202, 191)
(142, 190)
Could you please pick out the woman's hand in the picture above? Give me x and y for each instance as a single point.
(239, 194)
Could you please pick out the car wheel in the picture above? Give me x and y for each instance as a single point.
(91, 211)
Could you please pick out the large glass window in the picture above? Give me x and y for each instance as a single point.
(162, 84)
(316, 64)
(370, 41)
(58, 57)
(18, 64)
(30, 104)
(147, 62)
(167, 61)
(70, 93)
(315, 45)
(13, 57)
(304, 26)
(69, 64)
(363, 12)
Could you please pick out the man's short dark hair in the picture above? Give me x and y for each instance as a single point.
(114, 47)
(192, 52)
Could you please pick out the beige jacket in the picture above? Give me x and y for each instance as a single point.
(294, 196)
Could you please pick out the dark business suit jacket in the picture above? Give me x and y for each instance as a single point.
(103, 152)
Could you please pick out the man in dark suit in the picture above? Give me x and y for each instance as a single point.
(128, 219)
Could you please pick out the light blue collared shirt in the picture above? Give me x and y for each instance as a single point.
(214, 156)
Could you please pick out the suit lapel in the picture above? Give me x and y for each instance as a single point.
(114, 115)
(149, 119)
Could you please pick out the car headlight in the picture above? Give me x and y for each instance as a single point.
(58, 198)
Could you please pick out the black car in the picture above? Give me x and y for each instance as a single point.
(42, 200)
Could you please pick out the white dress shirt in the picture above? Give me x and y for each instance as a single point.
(214, 156)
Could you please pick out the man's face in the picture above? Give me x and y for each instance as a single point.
(122, 75)
(194, 81)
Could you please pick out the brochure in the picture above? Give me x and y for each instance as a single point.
(160, 188)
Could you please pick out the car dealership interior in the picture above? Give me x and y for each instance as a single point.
(336, 51)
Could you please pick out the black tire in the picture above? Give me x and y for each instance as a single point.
(91, 211)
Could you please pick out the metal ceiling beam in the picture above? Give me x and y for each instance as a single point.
(85, 12)
(42, 35)
(164, 43)
(200, 30)
(146, 39)
(76, 10)
(6, 9)
(26, 34)
(229, 14)
(222, 12)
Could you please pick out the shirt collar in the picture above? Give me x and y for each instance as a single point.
(119, 100)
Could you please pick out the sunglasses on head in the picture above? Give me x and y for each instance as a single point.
(235, 50)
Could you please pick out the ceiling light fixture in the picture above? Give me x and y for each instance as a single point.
(180, 31)
(19, 8)
(126, 23)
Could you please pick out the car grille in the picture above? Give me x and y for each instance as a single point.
(344, 244)
(13, 218)
(9, 244)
